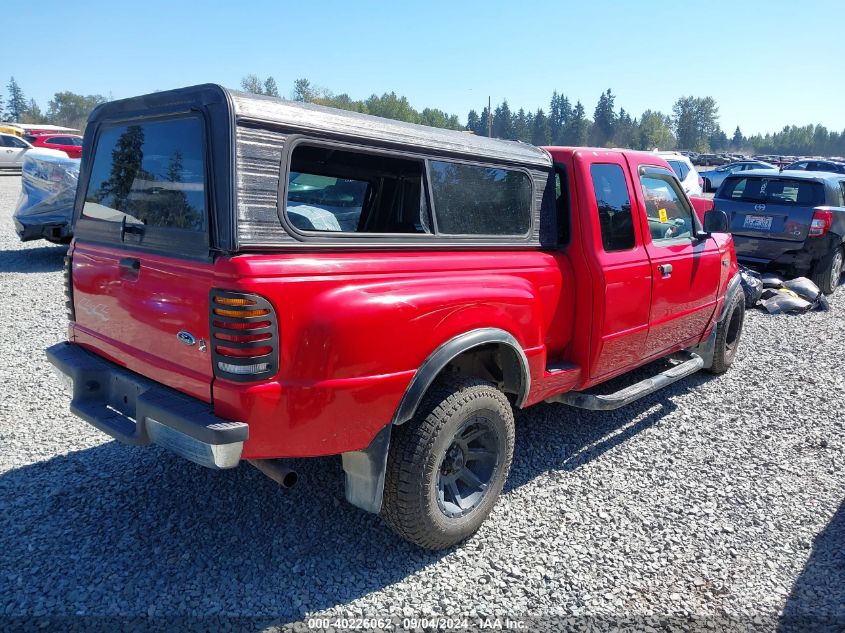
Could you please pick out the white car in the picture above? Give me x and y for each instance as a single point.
(681, 165)
(12, 150)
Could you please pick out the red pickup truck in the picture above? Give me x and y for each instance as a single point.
(255, 279)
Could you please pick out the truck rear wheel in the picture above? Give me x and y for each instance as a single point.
(828, 270)
(447, 465)
(728, 333)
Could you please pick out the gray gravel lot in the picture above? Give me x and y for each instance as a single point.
(719, 498)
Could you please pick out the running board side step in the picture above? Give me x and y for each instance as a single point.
(636, 391)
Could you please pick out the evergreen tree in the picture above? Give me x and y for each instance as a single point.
(520, 125)
(625, 132)
(503, 122)
(718, 139)
(473, 121)
(738, 140)
(604, 120)
(529, 126)
(540, 133)
(483, 122)
(16, 103)
(564, 116)
(560, 113)
(578, 127)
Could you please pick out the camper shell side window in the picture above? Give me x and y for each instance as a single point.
(336, 190)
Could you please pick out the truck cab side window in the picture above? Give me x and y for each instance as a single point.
(614, 207)
(669, 216)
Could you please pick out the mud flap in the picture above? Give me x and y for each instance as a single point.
(365, 472)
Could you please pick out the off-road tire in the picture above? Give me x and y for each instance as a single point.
(828, 270)
(417, 451)
(728, 334)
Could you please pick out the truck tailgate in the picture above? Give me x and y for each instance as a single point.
(131, 307)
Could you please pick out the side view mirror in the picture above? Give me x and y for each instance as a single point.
(716, 221)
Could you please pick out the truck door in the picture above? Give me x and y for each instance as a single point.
(685, 269)
(619, 266)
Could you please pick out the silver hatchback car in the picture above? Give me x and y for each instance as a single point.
(12, 150)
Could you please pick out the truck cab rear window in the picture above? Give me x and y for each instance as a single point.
(149, 173)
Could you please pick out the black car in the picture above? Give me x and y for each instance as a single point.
(790, 222)
(832, 166)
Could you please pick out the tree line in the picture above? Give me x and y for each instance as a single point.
(67, 108)
(693, 123)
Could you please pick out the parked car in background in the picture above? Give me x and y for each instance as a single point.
(789, 222)
(712, 159)
(686, 173)
(468, 276)
(714, 177)
(832, 166)
(12, 149)
(70, 144)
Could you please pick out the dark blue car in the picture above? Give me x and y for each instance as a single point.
(791, 222)
(833, 166)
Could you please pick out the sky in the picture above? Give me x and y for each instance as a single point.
(756, 58)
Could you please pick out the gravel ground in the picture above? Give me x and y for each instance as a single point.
(718, 502)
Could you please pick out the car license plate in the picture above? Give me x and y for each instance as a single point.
(758, 222)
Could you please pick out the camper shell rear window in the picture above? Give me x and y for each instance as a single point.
(147, 181)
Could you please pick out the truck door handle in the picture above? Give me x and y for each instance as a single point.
(665, 270)
(130, 264)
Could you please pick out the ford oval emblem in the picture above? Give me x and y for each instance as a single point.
(186, 338)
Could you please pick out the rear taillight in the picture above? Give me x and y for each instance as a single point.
(701, 182)
(66, 273)
(821, 223)
(244, 336)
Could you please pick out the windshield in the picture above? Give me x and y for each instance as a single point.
(773, 190)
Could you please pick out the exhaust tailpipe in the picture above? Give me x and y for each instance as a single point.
(274, 469)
